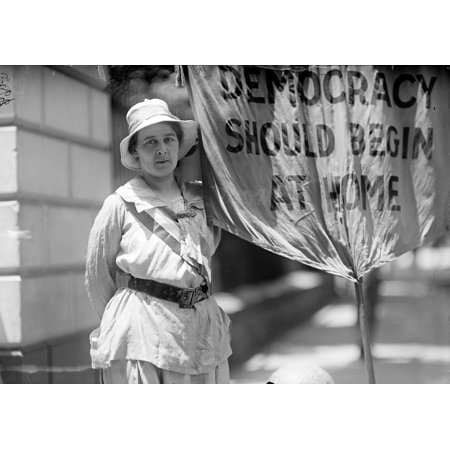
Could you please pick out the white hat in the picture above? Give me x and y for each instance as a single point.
(300, 374)
(150, 112)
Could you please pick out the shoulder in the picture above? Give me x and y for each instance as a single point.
(111, 216)
(113, 202)
(113, 209)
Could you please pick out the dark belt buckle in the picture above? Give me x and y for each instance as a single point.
(187, 298)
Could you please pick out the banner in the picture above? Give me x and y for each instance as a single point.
(342, 168)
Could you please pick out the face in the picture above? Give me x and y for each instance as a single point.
(157, 149)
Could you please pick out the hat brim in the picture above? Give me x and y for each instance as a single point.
(189, 127)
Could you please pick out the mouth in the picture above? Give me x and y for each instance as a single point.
(165, 161)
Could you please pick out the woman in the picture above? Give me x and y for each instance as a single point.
(163, 326)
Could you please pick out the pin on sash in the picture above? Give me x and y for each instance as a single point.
(187, 213)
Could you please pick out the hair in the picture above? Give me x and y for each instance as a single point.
(176, 127)
(132, 145)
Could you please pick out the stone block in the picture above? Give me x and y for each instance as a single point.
(9, 360)
(69, 231)
(83, 313)
(35, 237)
(8, 160)
(62, 361)
(46, 308)
(28, 93)
(72, 351)
(43, 165)
(91, 173)
(10, 310)
(66, 104)
(100, 117)
(7, 100)
(37, 358)
(88, 376)
(9, 235)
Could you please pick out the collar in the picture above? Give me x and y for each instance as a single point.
(138, 192)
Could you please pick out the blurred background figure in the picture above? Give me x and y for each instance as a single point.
(300, 374)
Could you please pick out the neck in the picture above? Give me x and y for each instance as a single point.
(161, 185)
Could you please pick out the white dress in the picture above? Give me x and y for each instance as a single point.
(139, 332)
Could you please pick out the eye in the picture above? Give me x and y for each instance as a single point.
(169, 139)
(150, 142)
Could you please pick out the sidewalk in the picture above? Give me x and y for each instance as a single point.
(412, 340)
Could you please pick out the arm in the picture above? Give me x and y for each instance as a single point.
(103, 246)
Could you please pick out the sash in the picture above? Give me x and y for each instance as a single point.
(158, 230)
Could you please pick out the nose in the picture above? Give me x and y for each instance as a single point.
(161, 150)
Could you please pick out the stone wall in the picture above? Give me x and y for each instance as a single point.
(55, 171)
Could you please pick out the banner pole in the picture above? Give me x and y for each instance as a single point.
(360, 303)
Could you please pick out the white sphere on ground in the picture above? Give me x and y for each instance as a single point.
(300, 374)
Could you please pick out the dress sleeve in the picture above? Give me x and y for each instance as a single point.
(103, 247)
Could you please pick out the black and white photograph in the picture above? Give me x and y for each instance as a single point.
(225, 224)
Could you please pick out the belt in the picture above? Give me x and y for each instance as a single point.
(186, 298)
